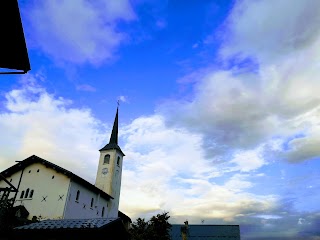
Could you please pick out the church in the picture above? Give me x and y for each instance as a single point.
(50, 192)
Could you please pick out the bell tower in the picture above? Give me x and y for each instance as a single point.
(110, 169)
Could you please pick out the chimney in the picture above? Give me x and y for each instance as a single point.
(185, 231)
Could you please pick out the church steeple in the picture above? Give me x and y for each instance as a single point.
(113, 142)
(114, 133)
(110, 169)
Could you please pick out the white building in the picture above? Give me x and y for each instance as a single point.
(48, 191)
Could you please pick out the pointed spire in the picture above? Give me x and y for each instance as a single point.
(113, 142)
(114, 133)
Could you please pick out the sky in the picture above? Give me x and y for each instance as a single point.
(219, 112)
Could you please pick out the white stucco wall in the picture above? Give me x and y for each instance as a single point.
(75, 209)
(46, 183)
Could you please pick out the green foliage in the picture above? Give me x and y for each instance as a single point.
(157, 228)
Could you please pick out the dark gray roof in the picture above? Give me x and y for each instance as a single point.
(207, 232)
(35, 159)
(110, 146)
(69, 223)
(124, 217)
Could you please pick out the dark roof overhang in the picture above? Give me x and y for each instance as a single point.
(111, 146)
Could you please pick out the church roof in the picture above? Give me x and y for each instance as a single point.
(124, 217)
(65, 229)
(69, 223)
(113, 142)
(206, 232)
(35, 159)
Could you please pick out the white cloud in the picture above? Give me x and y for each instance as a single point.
(123, 98)
(36, 122)
(248, 160)
(258, 29)
(78, 31)
(196, 45)
(301, 221)
(86, 87)
(238, 111)
(267, 216)
(161, 24)
(166, 169)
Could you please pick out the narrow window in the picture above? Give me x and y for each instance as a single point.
(31, 194)
(11, 180)
(52, 177)
(38, 170)
(22, 193)
(91, 205)
(118, 161)
(29, 171)
(27, 193)
(78, 195)
(102, 213)
(106, 159)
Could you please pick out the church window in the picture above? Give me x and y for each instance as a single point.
(92, 200)
(106, 159)
(52, 177)
(11, 180)
(22, 193)
(102, 213)
(38, 170)
(31, 194)
(29, 171)
(78, 195)
(118, 161)
(27, 193)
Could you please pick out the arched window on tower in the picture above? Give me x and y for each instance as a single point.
(78, 195)
(102, 213)
(106, 159)
(22, 193)
(27, 193)
(31, 194)
(118, 161)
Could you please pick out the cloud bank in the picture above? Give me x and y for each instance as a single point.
(277, 103)
(78, 32)
(33, 121)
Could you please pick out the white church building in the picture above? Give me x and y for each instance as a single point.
(48, 191)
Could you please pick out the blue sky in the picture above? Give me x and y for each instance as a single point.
(219, 105)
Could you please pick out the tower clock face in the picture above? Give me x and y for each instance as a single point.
(104, 171)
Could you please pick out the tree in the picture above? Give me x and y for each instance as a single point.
(157, 228)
